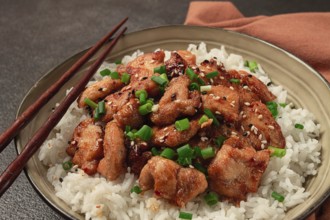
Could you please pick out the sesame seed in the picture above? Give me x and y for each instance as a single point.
(245, 87)
(132, 143)
(218, 113)
(262, 146)
(211, 80)
(260, 137)
(204, 139)
(260, 116)
(247, 103)
(264, 142)
(271, 127)
(202, 74)
(232, 88)
(242, 127)
(244, 116)
(216, 97)
(221, 77)
(233, 133)
(104, 89)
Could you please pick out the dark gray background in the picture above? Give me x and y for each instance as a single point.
(37, 35)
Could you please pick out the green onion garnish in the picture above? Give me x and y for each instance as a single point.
(67, 165)
(277, 152)
(127, 129)
(233, 80)
(101, 107)
(145, 109)
(182, 124)
(277, 196)
(131, 135)
(205, 88)
(168, 153)
(209, 114)
(185, 155)
(159, 80)
(299, 126)
(185, 215)
(200, 81)
(212, 74)
(200, 168)
(272, 106)
(253, 66)
(194, 86)
(105, 72)
(155, 151)
(118, 62)
(136, 189)
(90, 103)
(203, 119)
(114, 75)
(208, 153)
(211, 198)
(142, 95)
(97, 114)
(219, 140)
(283, 105)
(197, 152)
(144, 133)
(160, 69)
(191, 74)
(125, 77)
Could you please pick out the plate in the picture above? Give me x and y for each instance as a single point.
(305, 86)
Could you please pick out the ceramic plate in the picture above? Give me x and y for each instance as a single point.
(306, 88)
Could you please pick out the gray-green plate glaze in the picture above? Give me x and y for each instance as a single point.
(306, 88)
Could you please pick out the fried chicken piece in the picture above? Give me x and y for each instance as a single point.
(250, 84)
(261, 127)
(234, 171)
(99, 90)
(188, 57)
(86, 146)
(177, 101)
(114, 162)
(170, 137)
(172, 182)
(176, 65)
(138, 155)
(129, 114)
(208, 66)
(223, 101)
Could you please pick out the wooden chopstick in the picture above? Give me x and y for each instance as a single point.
(29, 113)
(15, 168)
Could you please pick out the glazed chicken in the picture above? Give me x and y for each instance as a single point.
(172, 182)
(228, 119)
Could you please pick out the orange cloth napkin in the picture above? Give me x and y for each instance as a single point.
(306, 35)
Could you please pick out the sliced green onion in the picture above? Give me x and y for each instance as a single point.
(142, 95)
(114, 75)
(160, 69)
(127, 129)
(136, 189)
(277, 152)
(131, 135)
(253, 66)
(233, 80)
(164, 76)
(209, 114)
(211, 198)
(182, 125)
(191, 74)
(105, 72)
(200, 168)
(272, 106)
(144, 133)
(101, 107)
(197, 152)
(159, 80)
(145, 109)
(299, 126)
(283, 105)
(90, 103)
(208, 153)
(185, 215)
(97, 114)
(168, 153)
(205, 88)
(194, 86)
(278, 196)
(125, 78)
(212, 74)
(200, 81)
(203, 119)
(67, 165)
(155, 151)
(118, 62)
(219, 140)
(185, 155)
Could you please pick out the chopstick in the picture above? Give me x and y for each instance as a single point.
(15, 168)
(29, 113)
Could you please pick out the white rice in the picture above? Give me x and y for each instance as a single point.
(98, 198)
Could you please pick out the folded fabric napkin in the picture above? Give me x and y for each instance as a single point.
(306, 35)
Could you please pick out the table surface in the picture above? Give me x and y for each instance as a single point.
(37, 35)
